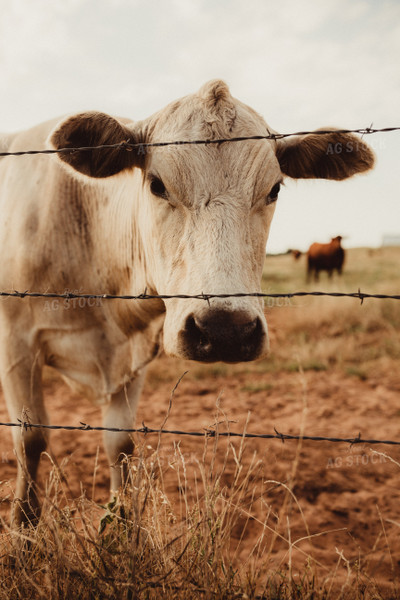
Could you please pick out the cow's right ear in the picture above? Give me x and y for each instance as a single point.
(90, 129)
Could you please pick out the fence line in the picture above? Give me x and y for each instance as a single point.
(207, 432)
(207, 297)
(129, 146)
(141, 147)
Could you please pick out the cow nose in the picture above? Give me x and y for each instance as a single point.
(218, 335)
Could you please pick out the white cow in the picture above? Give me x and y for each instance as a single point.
(173, 220)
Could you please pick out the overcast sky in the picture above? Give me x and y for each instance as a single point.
(302, 64)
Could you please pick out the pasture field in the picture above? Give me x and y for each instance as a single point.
(228, 517)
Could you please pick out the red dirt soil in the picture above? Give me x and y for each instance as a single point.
(349, 495)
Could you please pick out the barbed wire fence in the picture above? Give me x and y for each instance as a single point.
(203, 296)
(142, 147)
(208, 432)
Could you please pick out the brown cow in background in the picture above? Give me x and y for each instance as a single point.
(325, 257)
(296, 254)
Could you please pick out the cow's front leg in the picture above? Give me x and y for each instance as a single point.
(121, 413)
(21, 380)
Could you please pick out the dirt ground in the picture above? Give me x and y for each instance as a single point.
(347, 497)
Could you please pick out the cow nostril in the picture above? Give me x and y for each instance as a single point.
(197, 333)
(249, 328)
(220, 335)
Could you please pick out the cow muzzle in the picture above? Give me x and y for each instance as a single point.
(221, 335)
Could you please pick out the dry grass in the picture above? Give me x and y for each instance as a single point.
(141, 545)
(337, 333)
(336, 327)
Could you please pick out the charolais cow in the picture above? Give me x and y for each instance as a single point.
(184, 219)
(325, 257)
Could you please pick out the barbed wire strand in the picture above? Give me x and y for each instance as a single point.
(125, 145)
(207, 297)
(26, 425)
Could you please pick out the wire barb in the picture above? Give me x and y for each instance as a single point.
(279, 435)
(356, 440)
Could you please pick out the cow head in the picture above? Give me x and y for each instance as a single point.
(205, 211)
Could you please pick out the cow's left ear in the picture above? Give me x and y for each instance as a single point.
(324, 156)
(90, 129)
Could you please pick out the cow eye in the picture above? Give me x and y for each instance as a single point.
(157, 187)
(273, 195)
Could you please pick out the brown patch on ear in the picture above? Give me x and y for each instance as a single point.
(96, 129)
(324, 156)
